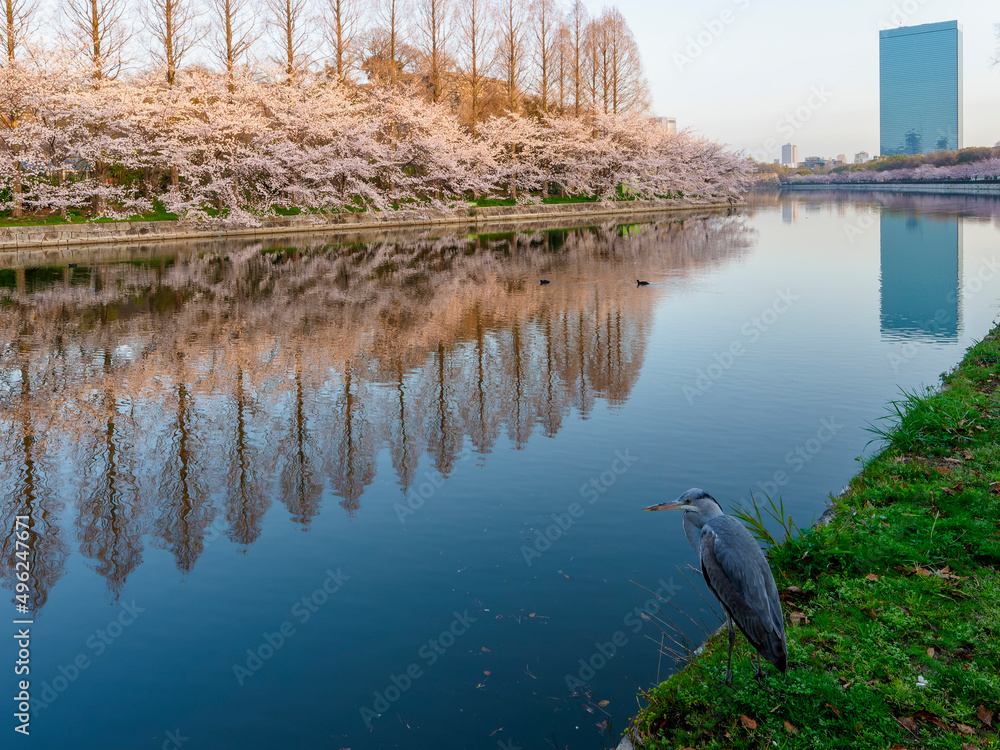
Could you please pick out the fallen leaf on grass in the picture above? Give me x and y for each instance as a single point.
(799, 618)
(791, 727)
(748, 722)
(922, 571)
(907, 723)
(965, 729)
(871, 577)
(967, 746)
(995, 488)
(930, 652)
(833, 708)
(899, 747)
(984, 716)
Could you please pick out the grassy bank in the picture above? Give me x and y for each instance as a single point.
(892, 609)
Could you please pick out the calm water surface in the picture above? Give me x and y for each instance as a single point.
(388, 494)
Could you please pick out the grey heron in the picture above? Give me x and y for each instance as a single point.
(737, 572)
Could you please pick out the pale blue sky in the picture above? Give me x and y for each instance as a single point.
(767, 56)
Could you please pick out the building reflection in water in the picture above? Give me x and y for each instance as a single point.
(162, 403)
(921, 267)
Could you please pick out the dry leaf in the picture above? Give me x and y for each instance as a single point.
(984, 716)
(791, 727)
(967, 746)
(995, 488)
(486, 649)
(966, 729)
(899, 747)
(836, 711)
(486, 672)
(748, 722)
(907, 723)
(922, 571)
(602, 704)
(799, 618)
(871, 577)
(793, 590)
(531, 615)
(930, 652)
(602, 724)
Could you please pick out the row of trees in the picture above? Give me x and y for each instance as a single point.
(985, 169)
(480, 56)
(239, 147)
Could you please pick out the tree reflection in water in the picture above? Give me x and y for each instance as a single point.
(152, 401)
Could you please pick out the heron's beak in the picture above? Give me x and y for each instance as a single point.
(672, 505)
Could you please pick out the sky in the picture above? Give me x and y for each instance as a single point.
(739, 70)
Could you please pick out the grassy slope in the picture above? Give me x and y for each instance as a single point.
(901, 588)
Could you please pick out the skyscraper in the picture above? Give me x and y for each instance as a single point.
(790, 155)
(920, 88)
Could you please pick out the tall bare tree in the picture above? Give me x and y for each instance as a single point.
(99, 31)
(434, 19)
(511, 48)
(577, 20)
(289, 20)
(341, 26)
(544, 29)
(563, 59)
(17, 26)
(173, 27)
(618, 83)
(387, 40)
(232, 25)
(475, 30)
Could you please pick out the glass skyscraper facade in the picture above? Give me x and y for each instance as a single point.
(920, 88)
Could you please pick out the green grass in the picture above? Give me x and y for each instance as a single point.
(892, 609)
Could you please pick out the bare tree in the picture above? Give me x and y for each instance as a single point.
(475, 29)
(433, 26)
(173, 26)
(544, 26)
(232, 23)
(99, 32)
(17, 25)
(386, 41)
(288, 20)
(618, 83)
(342, 23)
(564, 56)
(576, 22)
(511, 48)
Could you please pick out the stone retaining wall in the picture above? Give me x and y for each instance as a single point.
(65, 235)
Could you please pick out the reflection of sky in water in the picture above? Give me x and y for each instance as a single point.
(208, 434)
(921, 267)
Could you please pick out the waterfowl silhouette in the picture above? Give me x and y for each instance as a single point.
(641, 283)
(544, 281)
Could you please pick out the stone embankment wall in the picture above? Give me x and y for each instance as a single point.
(66, 235)
(936, 188)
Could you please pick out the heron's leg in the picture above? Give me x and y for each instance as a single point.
(732, 640)
(758, 675)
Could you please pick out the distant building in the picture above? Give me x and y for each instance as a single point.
(668, 123)
(789, 155)
(812, 162)
(920, 88)
(841, 160)
(861, 157)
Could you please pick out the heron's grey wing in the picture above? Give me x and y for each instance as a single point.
(736, 569)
